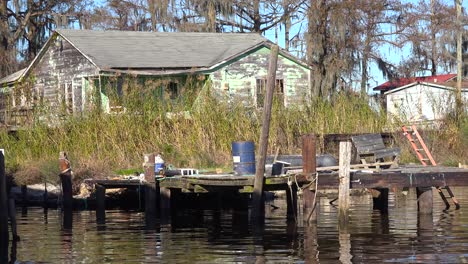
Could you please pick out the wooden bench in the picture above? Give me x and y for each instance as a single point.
(371, 146)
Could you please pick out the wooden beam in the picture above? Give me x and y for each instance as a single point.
(343, 193)
(309, 164)
(257, 196)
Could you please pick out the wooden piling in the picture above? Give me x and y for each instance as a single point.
(343, 193)
(24, 195)
(309, 169)
(148, 166)
(150, 199)
(257, 196)
(291, 199)
(4, 236)
(380, 199)
(424, 195)
(12, 216)
(66, 180)
(100, 204)
(165, 198)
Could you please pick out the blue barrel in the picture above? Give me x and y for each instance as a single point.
(243, 156)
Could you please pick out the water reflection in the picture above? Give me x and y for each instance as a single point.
(227, 235)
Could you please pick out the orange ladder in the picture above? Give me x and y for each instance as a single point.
(425, 157)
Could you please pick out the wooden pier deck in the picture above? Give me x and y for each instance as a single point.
(405, 176)
(164, 190)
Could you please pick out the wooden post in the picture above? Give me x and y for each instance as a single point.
(12, 216)
(343, 194)
(150, 186)
(165, 205)
(309, 168)
(257, 196)
(24, 195)
(380, 199)
(148, 166)
(291, 199)
(4, 236)
(424, 195)
(65, 178)
(311, 246)
(100, 204)
(150, 199)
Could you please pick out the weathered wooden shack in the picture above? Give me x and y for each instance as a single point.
(421, 99)
(80, 69)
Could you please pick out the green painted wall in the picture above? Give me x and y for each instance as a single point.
(236, 80)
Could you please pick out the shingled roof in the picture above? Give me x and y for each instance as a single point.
(405, 81)
(157, 50)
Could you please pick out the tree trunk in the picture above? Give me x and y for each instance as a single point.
(287, 25)
(256, 16)
(458, 98)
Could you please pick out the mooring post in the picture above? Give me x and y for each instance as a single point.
(424, 195)
(344, 176)
(257, 195)
(100, 204)
(291, 199)
(24, 195)
(165, 204)
(150, 185)
(309, 169)
(150, 199)
(66, 179)
(4, 237)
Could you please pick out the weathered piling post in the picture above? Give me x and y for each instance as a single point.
(24, 195)
(344, 176)
(424, 195)
(4, 237)
(380, 199)
(291, 200)
(150, 185)
(66, 180)
(257, 196)
(309, 169)
(12, 211)
(100, 204)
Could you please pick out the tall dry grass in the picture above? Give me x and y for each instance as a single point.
(195, 133)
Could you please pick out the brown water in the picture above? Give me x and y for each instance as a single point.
(227, 237)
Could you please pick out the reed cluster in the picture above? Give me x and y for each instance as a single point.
(192, 134)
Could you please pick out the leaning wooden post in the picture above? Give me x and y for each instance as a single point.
(309, 169)
(257, 196)
(4, 237)
(344, 176)
(66, 179)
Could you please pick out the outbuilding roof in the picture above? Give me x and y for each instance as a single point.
(392, 84)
